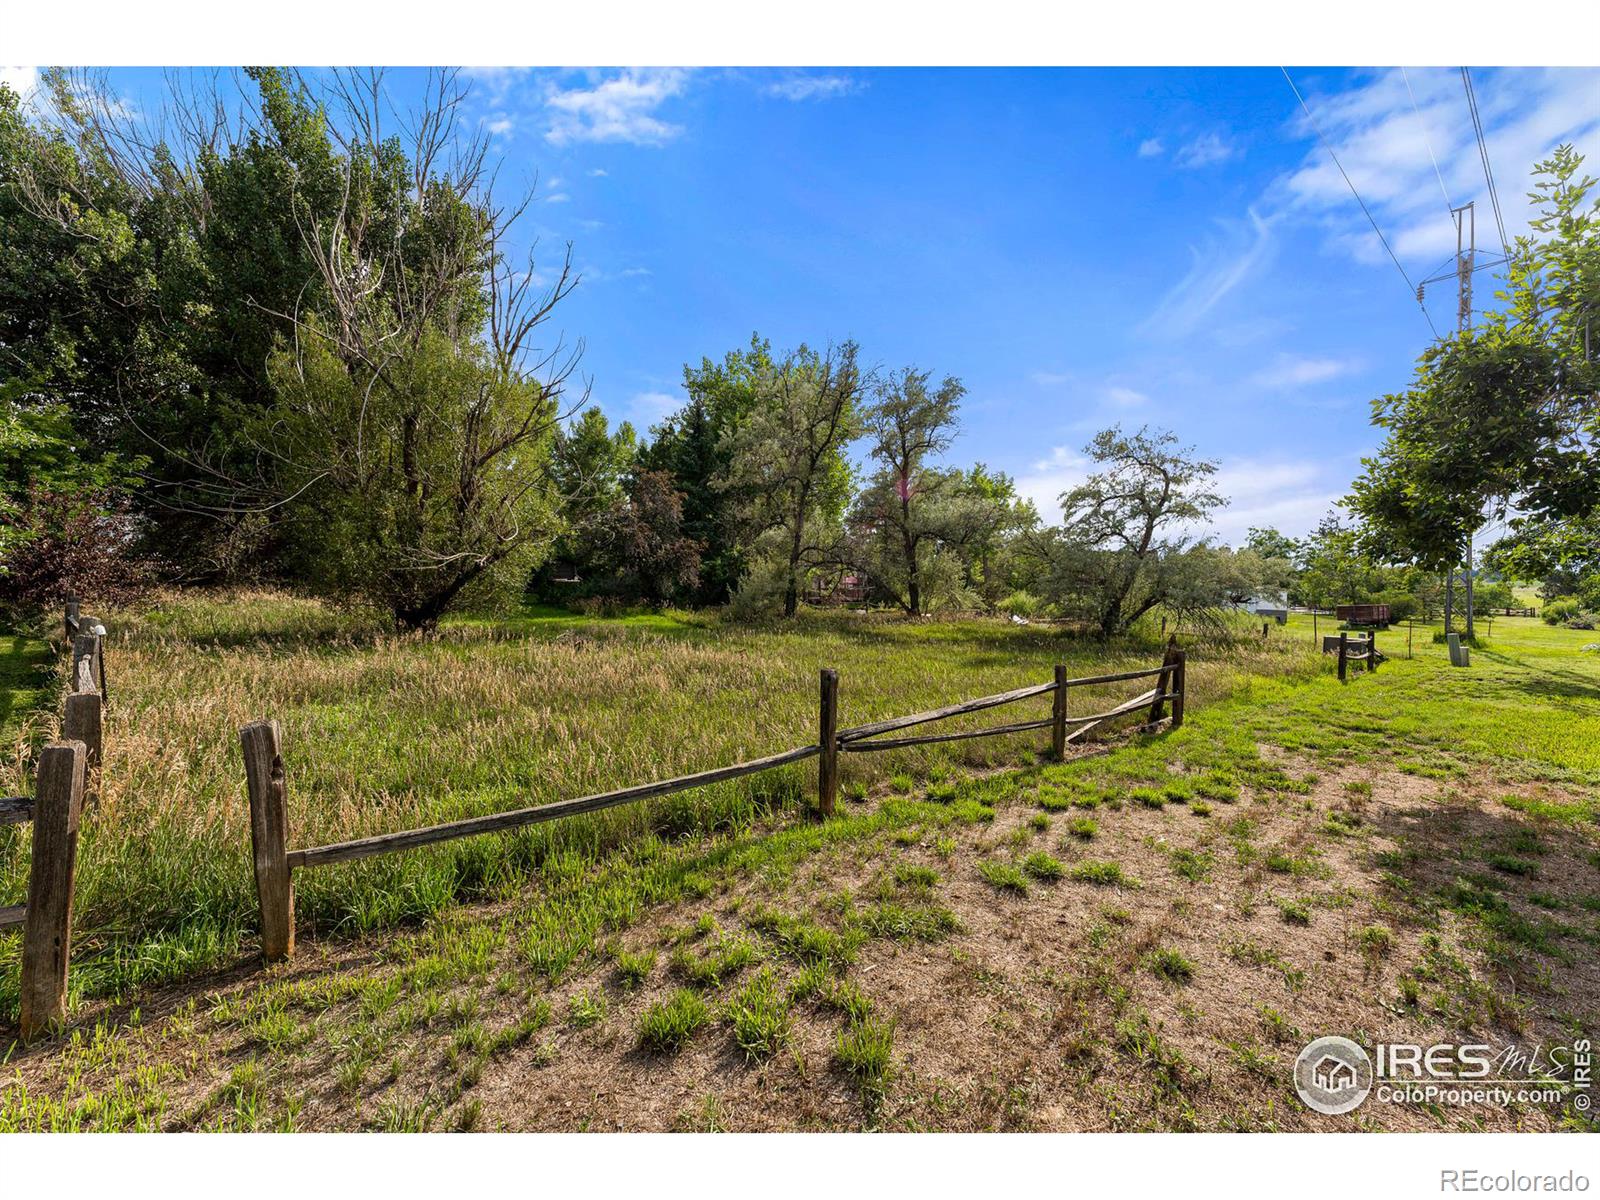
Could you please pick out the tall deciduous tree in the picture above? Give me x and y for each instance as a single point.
(786, 464)
(904, 507)
(693, 446)
(1113, 556)
(1502, 419)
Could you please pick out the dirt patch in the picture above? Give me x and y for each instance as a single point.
(1366, 902)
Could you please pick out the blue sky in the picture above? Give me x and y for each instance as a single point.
(1081, 246)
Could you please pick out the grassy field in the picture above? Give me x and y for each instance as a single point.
(384, 733)
(1140, 938)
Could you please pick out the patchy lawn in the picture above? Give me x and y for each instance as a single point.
(1141, 938)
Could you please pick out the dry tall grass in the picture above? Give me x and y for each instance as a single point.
(384, 732)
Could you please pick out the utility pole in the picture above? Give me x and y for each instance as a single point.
(1466, 220)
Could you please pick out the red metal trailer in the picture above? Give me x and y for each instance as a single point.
(1362, 614)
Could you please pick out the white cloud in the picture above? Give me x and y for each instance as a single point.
(1237, 251)
(1389, 147)
(1046, 479)
(619, 109)
(557, 198)
(1293, 371)
(597, 172)
(1151, 148)
(1206, 150)
(812, 87)
(1290, 495)
(645, 409)
(1125, 397)
(636, 272)
(21, 80)
(499, 125)
(1051, 378)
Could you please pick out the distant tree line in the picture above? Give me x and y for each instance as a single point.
(278, 335)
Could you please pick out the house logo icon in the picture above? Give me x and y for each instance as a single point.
(1333, 1075)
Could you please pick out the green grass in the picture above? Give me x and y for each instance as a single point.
(1170, 965)
(1105, 874)
(1004, 876)
(668, 1024)
(758, 1014)
(383, 733)
(28, 683)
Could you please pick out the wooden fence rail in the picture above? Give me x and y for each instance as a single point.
(266, 781)
(66, 780)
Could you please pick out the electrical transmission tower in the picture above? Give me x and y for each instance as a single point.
(1466, 265)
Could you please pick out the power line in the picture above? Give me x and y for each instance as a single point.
(1483, 153)
(1410, 287)
(1423, 125)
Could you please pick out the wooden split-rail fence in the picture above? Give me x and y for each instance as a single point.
(64, 785)
(267, 785)
(1362, 650)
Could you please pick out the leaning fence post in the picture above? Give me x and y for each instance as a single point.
(69, 620)
(828, 742)
(47, 928)
(1179, 687)
(269, 835)
(1058, 715)
(1344, 651)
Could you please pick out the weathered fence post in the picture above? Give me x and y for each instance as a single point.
(1058, 715)
(47, 928)
(82, 724)
(1179, 687)
(1344, 651)
(69, 620)
(1158, 706)
(1372, 651)
(1264, 625)
(85, 649)
(828, 742)
(269, 835)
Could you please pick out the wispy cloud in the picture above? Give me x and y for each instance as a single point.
(499, 124)
(597, 172)
(1125, 397)
(1237, 251)
(1288, 494)
(622, 108)
(1389, 148)
(812, 87)
(1151, 148)
(645, 409)
(1206, 150)
(1046, 479)
(1294, 371)
(1051, 378)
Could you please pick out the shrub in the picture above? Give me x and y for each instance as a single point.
(1021, 604)
(1557, 611)
(58, 544)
